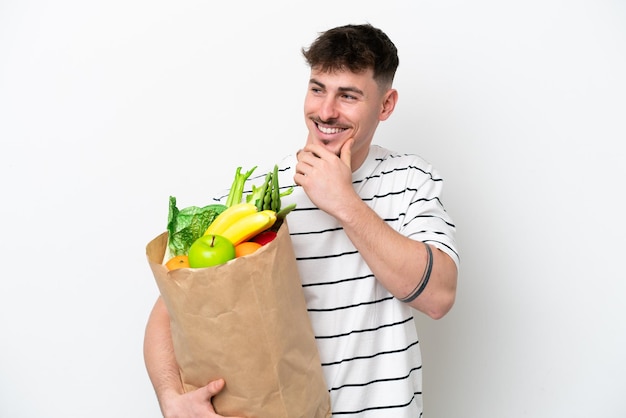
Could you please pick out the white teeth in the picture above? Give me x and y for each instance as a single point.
(329, 130)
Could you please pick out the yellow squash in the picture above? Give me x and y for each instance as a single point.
(227, 218)
(249, 226)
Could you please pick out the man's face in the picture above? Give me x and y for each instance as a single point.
(342, 105)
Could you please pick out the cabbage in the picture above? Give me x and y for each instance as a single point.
(187, 225)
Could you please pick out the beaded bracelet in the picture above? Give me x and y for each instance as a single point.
(422, 284)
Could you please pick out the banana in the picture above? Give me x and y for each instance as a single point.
(227, 218)
(249, 226)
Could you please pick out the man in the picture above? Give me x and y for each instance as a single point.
(370, 234)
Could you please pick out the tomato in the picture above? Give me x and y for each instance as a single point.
(265, 237)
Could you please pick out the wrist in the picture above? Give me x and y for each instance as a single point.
(349, 210)
(167, 402)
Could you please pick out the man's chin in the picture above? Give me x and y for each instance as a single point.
(332, 145)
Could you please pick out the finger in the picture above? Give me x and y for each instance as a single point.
(297, 176)
(307, 158)
(213, 388)
(346, 152)
(316, 150)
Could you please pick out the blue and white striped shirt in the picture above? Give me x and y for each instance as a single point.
(367, 339)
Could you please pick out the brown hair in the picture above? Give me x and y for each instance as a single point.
(356, 48)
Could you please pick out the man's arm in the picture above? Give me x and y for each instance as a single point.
(398, 262)
(164, 374)
(158, 353)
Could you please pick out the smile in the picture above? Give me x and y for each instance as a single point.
(329, 131)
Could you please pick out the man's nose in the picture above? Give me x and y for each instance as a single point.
(328, 109)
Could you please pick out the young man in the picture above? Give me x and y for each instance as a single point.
(371, 237)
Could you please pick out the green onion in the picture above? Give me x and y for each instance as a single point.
(236, 190)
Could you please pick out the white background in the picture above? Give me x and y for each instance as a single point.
(108, 107)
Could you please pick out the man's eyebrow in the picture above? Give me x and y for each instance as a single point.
(319, 84)
(341, 89)
(351, 90)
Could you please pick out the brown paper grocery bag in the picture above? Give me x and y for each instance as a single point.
(245, 321)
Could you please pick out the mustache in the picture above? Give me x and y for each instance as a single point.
(329, 122)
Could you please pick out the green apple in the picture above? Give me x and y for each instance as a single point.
(210, 250)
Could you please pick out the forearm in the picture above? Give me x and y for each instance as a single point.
(398, 262)
(159, 356)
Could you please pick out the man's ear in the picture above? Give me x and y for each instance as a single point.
(389, 104)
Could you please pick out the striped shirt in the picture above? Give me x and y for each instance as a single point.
(367, 339)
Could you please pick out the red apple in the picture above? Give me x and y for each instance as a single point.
(264, 237)
(210, 250)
